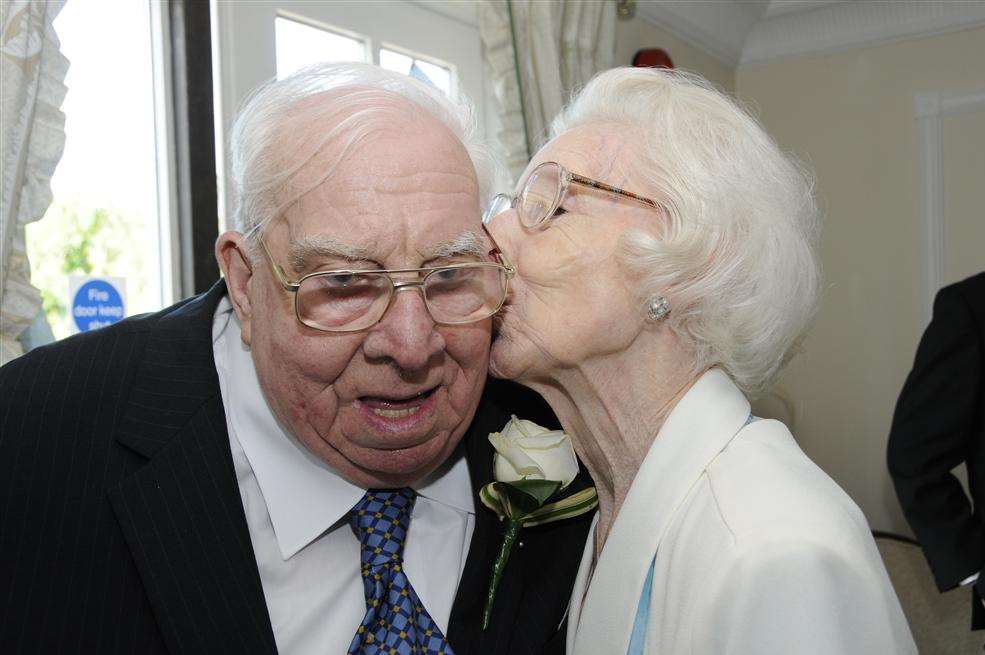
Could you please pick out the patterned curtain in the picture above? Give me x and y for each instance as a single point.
(537, 53)
(32, 137)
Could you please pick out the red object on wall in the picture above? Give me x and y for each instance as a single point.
(652, 58)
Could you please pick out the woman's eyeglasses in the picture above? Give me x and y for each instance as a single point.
(543, 192)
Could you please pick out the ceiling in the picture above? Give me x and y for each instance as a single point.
(746, 32)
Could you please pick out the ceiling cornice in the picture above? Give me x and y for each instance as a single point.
(846, 25)
(749, 33)
(778, 7)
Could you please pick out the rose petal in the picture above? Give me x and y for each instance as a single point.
(519, 460)
(544, 441)
(529, 428)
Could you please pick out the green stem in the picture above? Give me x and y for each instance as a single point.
(512, 531)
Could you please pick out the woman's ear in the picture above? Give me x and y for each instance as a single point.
(233, 254)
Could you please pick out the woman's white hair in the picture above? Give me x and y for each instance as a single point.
(736, 254)
(281, 128)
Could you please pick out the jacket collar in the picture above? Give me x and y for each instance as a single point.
(697, 430)
(175, 376)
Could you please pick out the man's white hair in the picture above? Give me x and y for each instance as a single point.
(736, 255)
(281, 128)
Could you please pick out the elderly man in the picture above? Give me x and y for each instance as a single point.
(278, 465)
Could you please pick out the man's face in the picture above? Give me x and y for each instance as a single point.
(387, 405)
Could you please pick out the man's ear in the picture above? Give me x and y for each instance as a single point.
(233, 254)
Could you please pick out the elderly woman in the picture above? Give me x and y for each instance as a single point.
(664, 250)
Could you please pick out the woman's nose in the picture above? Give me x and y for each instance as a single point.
(505, 230)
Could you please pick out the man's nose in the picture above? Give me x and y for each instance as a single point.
(407, 334)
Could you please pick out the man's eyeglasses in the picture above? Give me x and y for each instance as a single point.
(353, 300)
(544, 191)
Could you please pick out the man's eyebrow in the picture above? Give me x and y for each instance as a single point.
(320, 246)
(467, 243)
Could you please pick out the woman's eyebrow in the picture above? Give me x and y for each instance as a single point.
(304, 251)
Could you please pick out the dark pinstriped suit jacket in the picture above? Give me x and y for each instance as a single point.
(122, 528)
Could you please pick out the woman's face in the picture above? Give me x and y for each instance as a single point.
(572, 300)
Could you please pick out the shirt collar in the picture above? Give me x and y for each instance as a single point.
(303, 495)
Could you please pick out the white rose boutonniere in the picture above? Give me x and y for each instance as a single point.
(526, 451)
(531, 467)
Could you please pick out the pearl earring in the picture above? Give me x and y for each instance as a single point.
(656, 308)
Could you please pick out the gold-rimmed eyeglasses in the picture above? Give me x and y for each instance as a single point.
(543, 192)
(353, 300)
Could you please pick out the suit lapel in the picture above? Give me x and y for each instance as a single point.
(527, 611)
(181, 513)
(465, 623)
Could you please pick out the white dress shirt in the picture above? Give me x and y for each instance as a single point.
(297, 512)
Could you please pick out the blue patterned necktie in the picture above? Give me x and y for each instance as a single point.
(396, 622)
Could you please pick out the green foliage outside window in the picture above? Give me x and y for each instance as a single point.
(73, 239)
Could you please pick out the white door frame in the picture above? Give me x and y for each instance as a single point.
(930, 110)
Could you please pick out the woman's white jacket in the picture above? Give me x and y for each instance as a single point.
(754, 550)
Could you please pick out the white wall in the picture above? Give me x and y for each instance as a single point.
(852, 117)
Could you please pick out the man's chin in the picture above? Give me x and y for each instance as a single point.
(386, 469)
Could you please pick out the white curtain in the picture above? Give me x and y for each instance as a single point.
(537, 53)
(32, 137)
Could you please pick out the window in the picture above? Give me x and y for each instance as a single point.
(299, 44)
(104, 218)
(434, 74)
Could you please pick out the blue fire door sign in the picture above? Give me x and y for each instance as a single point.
(97, 302)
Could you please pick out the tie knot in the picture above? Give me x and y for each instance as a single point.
(380, 521)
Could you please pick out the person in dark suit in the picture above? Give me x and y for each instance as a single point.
(939, 424)
(291, 461)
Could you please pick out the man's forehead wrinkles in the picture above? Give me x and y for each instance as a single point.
(303, 249)
(385, 177)
(412, 189)
(355, 207)
(352, 197)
